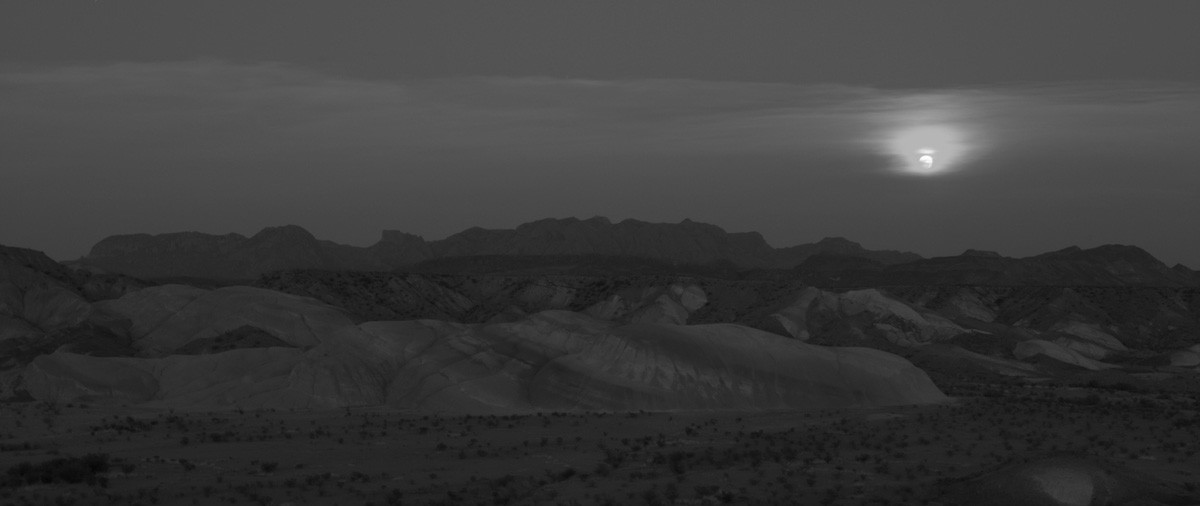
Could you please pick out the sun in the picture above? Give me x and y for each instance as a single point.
(927, 149)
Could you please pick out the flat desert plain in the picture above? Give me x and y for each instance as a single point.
(898, 455)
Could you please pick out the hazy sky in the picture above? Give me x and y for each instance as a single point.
(1049, 123)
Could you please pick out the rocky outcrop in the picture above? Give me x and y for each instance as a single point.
(861, 313)
(398, 249)
(840, 247)
(1037, 349)
(167, 318)
(1088, 340)
(667, 305)
(32, 302)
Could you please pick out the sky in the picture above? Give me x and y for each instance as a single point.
(1046, 124)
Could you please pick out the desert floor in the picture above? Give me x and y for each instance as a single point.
(899, 455)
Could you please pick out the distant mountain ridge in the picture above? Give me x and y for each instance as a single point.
(330, 337)
(234, 256)
(1107, 265)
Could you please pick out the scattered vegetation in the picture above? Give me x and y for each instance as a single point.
(902, 455)
(86, 469)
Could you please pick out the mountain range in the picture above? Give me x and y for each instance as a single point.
(178, 346)
(577, 314)
(1108, 265)
(236, 257)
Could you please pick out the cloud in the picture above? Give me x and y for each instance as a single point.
(194, 108)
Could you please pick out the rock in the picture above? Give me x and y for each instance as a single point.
(966, 303)
(900, 323)
(792, 318)
(670, 305)
(1087, 340)
(858, 313)
(33, 303)
(691, 297)
(169, 317)
(663, 310)
(1032, 348)
(609, 308)
(546, 294)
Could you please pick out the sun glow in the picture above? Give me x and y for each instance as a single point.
(927, 149)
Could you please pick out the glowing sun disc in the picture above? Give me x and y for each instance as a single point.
(915, 147)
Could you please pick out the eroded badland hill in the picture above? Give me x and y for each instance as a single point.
(581, 361)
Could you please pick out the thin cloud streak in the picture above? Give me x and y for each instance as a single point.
(281, 109)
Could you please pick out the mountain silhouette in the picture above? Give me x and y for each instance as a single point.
(236, 257)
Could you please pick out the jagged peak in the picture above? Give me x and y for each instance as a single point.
(1125, 252)
(549, 221)
(1069, 250)
(981, 253)
(699, 225)
(471, 233)
(830, 241)
(686, 223)
(399, 236)
(1120, 249)
(289, 231)
(33, 259)
(1106, 252)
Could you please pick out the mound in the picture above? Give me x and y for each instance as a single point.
(723, 366)
(552, 360)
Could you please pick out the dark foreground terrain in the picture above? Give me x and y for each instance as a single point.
(1073, 377)
(903, 455)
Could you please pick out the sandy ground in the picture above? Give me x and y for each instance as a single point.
(899, 455)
